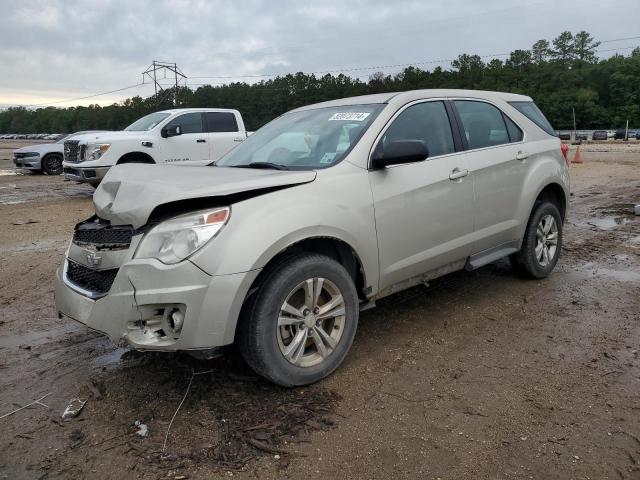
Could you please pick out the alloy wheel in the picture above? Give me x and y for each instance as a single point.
(546, 240)
(311, 322)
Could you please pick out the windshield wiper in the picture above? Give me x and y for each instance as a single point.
(275, 166)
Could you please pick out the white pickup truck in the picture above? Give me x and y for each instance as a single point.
(189, 136)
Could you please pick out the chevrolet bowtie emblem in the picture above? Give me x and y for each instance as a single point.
(94, 259)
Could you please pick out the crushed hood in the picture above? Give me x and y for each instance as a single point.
(129, 193)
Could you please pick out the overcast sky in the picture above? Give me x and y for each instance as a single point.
(55, 50)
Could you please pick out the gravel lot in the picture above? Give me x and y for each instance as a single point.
(480, 375)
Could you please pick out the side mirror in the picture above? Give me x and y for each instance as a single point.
(171, 131)
(399, 151)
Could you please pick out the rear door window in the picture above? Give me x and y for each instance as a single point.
(483, 125)
(218, 122)
(533, 113)
(515, 134)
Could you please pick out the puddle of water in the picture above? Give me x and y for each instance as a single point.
(633, 241)
(39, 246)
(110, 358)
(37, 337)
(608, 223)
(631, 274)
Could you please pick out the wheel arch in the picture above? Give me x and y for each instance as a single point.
(135, 157)
(335, 248)
(554, 193)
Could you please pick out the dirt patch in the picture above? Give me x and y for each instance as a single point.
(480, 375)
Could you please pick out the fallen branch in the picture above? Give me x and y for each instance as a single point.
(269, 449)
(36, 402)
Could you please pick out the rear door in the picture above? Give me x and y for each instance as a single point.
(223, 132)
(423, 210)
(497, 161)
(191, 147)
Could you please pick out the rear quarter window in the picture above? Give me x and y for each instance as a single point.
(533, 113)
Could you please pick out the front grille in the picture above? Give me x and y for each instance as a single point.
(97, 282)
(101, 235)
(72, 151)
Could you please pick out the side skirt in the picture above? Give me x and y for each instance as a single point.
(491, 255)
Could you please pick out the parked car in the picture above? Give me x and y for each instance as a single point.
(637, 134)
(564, 136)
(44, 157)
(581, 136)
(189, 136)
(323, 211)
(599, 135)
(621, 134)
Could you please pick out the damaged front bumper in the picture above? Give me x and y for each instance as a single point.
(153, 306)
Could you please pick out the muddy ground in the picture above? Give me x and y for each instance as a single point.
(480, 375)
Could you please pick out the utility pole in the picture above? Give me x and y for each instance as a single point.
(626, 131)
(151, 73)
(574, 125)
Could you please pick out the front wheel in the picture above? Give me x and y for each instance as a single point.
(52, 165)
(300, 324)
(542, 242)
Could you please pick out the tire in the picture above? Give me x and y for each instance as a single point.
(540, 247)
(268, 334)
(52, 164)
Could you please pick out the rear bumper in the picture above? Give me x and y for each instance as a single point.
(137, 308)
(84, 174)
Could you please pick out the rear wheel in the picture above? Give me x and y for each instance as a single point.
(52, 164)
(542, 242)
(300, 324)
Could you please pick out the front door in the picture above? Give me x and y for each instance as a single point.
(423, 210)
(191, 146)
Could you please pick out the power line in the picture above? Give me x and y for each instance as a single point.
(379, 67)
(620, 39)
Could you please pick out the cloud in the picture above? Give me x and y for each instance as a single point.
(58, 49)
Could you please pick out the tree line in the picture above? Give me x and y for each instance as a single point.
(561, 75)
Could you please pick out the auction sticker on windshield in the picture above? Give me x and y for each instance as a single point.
(349, 116)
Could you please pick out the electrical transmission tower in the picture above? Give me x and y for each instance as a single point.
(157, 67)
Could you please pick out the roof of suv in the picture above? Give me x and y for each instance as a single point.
(176, 110)
(404, 97)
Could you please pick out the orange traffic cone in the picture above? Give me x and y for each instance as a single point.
(576, 157)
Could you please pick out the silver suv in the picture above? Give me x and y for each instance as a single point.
(280, 244)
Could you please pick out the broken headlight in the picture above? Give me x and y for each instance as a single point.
(178, 238)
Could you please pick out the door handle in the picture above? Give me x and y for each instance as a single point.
(522, 155)
(201, 140)
(457, 173)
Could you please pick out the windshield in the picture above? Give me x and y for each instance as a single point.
(64, 137)
(147, 122)
(305, 140)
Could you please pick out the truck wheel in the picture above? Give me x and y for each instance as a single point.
(300, 324)
(52, 164)
(542, 242)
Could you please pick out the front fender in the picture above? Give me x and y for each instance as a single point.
(335, 206)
